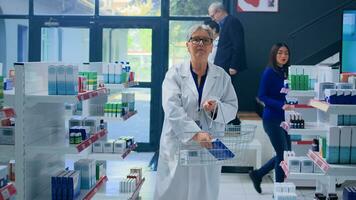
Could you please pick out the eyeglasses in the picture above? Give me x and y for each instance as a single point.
(198, 41)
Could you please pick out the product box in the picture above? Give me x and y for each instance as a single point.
(347, 120)
(61, 80)
(331, 96)
(7, 135)
(347, 96)
(3, 175)
(119, 146)
(91, 122)
(333, 145)
(294, 164)
(106, 72)
(117, 76)
(73, 185)
(71, 78)
(76, 120)
(108, 146)
(112, 73)
(353, 120)
(339, 96)
(87, 168)
(353, 146)
(56, 185)
(306, 165)
(100, 169)
(52, 80)
(98, 147)
(345, 145)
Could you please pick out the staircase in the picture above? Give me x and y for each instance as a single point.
(320, 38)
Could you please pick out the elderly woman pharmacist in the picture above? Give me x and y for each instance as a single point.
(191, 92)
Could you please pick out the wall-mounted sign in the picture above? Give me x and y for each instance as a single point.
(257, 5)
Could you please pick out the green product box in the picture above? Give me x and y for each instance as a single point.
(297, 84)
(340, 120)
(294, 82)
(347, 120)
(306, 82)
(353, 120)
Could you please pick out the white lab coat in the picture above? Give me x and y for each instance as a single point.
(180, 105)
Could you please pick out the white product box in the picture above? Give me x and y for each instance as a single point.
(98, 147)
(294, 164)
(333, 136)
(71, 75)
(52, 80)
(306, 165)
(61, 80)
(108, 146)
(345, 145)
(119, 146)
(76, 120)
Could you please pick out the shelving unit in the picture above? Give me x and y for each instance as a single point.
(41, 138)
(302, 176)
(311, 129)
(304, 93)
(7, 192)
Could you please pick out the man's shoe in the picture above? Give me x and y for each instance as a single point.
(256, 181)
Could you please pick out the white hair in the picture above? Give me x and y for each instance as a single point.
(198, 27)
(217, 6)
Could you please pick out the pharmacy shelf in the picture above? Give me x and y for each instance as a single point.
(301, 176)
(339, 109)
(71, 99)
(128, 115)
(301, 93)
(9, 97)
(103, 156)
(339, 170)
(89, 194)
(311, 129)
(7, 192)
(61, 145)
(124, 118)
(119, 87)
(7, 152)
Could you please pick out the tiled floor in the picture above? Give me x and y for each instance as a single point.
(232, 186)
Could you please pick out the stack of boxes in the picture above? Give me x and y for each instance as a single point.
(62, 80)
(118, 146)
(130, 183)
(116, 109)
(340, 96)
(66, 185)
(300, 164)
(87, 169)
(284, 191)
(302, 77)
(341, 145)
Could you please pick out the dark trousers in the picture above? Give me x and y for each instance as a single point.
(281, 142)
(235, 121)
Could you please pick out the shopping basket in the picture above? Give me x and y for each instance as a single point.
(226, 148)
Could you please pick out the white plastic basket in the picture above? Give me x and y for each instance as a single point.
(229, 148)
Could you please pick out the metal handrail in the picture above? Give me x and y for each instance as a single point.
(318, 19)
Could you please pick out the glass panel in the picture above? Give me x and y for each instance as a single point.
(190, 8)
(130, 7)
(132, 45)
(65, 44)
(13, 42)
(139, 124)
(177, 38)
(14, 7)
(64, 7)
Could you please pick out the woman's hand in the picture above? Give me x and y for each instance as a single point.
(209, 105)
(204, 139)
(288, 107)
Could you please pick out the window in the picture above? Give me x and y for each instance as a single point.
(133, 45)
(14, 7)
(13, 42)
(130, 7)
(177, 38)
(64, 7)
(65, 44)
(190, 7)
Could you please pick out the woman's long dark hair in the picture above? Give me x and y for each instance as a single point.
(273, 58)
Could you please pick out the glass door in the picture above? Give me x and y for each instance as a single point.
(134, 43)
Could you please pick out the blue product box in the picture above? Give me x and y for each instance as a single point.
(73, 185)
(56, 183)
(61, 81)
(345, 155)
(52, 80)
(71, 79)
(347, 120)
(352, 120)
(340, 120)
(353, 155)
(332, 154)
(220, 151)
